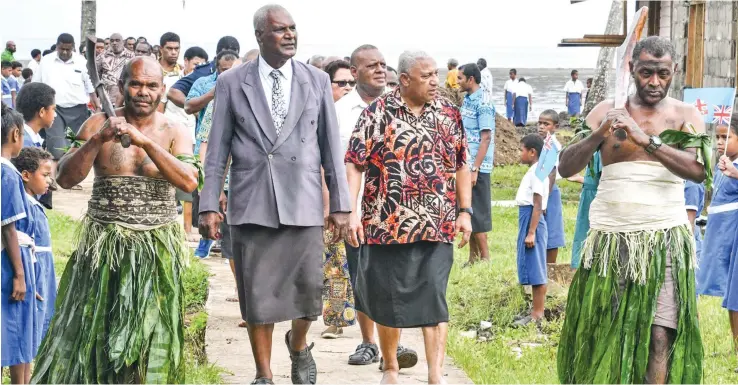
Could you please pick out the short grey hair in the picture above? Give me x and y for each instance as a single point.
(453, 62)
(408, 60)
(261, 14)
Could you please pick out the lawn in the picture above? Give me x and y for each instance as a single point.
(490, 292)
(198, 370)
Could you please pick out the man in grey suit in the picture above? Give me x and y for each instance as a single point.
(275, 118)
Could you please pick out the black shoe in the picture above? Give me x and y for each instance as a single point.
(262, 380)
(406, 358)
(365, 354)
(304, 370)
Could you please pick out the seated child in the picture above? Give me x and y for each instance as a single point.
(548, 123)
(17, 299)
(35, 165)
(532, 200)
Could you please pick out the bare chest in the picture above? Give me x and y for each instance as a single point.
(615, 150)
(113, 159)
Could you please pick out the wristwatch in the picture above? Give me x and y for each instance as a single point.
(467, 210)
(473, 168)
(654, 142)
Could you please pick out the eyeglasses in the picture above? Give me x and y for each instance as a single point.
(343, 83)
(392, 84)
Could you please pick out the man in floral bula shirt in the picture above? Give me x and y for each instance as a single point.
(411, 147)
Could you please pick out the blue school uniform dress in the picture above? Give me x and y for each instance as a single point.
(531, 261)
(589, 191)
(720, 235)
(574, 92)
(522, 91)
(555, 212)
(44, 268)
(18, 335)
(694, 199)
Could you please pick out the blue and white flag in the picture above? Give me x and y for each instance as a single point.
(715, 104)
(548, 158)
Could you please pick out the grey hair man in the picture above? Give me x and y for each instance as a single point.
(369, 69)
(316, 61)
(275, 118)
(251, 55)
(395, 249)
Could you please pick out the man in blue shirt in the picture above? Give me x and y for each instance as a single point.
(478, 117)
(178, 93)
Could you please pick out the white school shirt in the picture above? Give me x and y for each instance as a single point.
(486, 84)
(69, 79)
(35, 138)
(576, 88)
(532, 185)
(523, 89)
(267, 81)
(510, 85)
(348, 110)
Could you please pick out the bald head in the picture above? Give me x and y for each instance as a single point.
(142, 85)
(10, 46)
(251, 55)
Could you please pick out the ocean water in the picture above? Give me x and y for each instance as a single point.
(548, 86)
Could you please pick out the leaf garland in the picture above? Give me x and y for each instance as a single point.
(195, 161)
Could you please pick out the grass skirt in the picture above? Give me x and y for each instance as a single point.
(120, 310)
(612, 304)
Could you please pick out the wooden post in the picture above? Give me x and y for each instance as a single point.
(694, 72)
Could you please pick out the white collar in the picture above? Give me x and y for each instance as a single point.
(32, 199)
(8, 163)
(35, 137)
(59, 60)
(266, 69)
(353, 99)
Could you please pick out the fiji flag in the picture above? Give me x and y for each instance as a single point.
(715, 104)
(548, 158)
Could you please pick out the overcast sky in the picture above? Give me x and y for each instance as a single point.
(508, 33)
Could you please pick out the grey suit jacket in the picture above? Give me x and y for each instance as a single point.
(275, 180)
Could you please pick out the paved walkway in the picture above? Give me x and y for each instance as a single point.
(228, 346)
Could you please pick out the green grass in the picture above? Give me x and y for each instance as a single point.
(491, 292)
(195, 280)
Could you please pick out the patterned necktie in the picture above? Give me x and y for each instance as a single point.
(279, 110)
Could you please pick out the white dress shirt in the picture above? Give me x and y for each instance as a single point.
(267, 81)
(69, 79)
(348, 110)
(510, 85)
(487, 84)
(532, 185)
(575, 87)
(33, 65)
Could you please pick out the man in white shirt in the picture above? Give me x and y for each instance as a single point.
(66, 73)
(486, 83)
(369, 69)
(574, 90)
(509, 89)
(35, 59)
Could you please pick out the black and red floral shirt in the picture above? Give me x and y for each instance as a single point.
(410, 166)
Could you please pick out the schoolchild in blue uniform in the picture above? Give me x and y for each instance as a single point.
(35, 166)
(17, 297)
(548, 123)
(531, 199)
(694, 202)
(722, 220)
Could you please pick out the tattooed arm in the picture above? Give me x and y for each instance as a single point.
(77, 162)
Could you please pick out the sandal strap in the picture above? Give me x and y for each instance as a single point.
(366, 351)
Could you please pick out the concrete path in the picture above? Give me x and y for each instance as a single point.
(228, 346)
